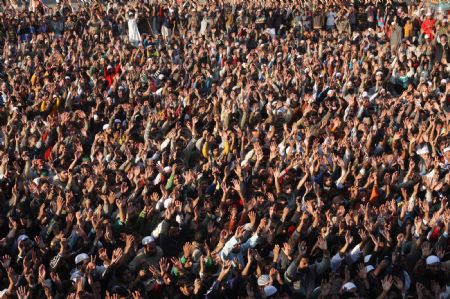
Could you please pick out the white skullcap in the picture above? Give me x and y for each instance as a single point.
(423, 150)
(432, 259)
(348, 286)
(263, 280)
(270, 290)
(22, 238)
(147, 240)
(81, 257)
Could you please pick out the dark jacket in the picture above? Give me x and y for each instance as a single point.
(440, 50)
(173, 246)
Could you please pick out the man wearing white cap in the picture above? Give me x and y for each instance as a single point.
(428, 25)
(148, 255)
(446, 159)
(436, 269)
(396, 35)
(84, 264)
(81, 262)
(24, 246)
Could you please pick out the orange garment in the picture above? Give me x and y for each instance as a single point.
(428, 27)
(408, 30)
(374, 194)
(387, 31)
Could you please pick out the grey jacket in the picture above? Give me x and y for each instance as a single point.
(304, 282)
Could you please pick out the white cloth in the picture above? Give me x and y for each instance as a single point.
(166, 32)
(133, 32)
(272, 32)
(203, 26)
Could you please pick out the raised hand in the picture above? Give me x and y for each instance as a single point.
(325, 288)
(398, 282)
(362, 273)
(197, 286)
(6, 261)
(302, 249)
(287, 250)
(252, 216)
(177, 263)
(41, 274)
(103, 255)
(22, 293)
(440, 252)
(386, 283)
(276, 252)
(187, 249)
(426, 249)
(163, 265)
(55, 278)
(240, 231)
(348, 238)
(154, 271)
(236, 186)
(129, 241)
(224, 187)
(322, 244)
(224, 234)
(225, 269)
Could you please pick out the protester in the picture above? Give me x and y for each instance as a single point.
(224, 149)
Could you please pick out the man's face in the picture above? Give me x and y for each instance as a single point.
(150, 249)
(447, 155)
(288, 189)
(434, 267)
(45, 187)
(328, 181)
(304, 263)
(63, 175)
(174, 232)
(84, 265)
(443, 40)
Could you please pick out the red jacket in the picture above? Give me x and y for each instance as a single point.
(428, 27)
(110, 76)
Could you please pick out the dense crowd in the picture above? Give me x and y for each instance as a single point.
(224, 149)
